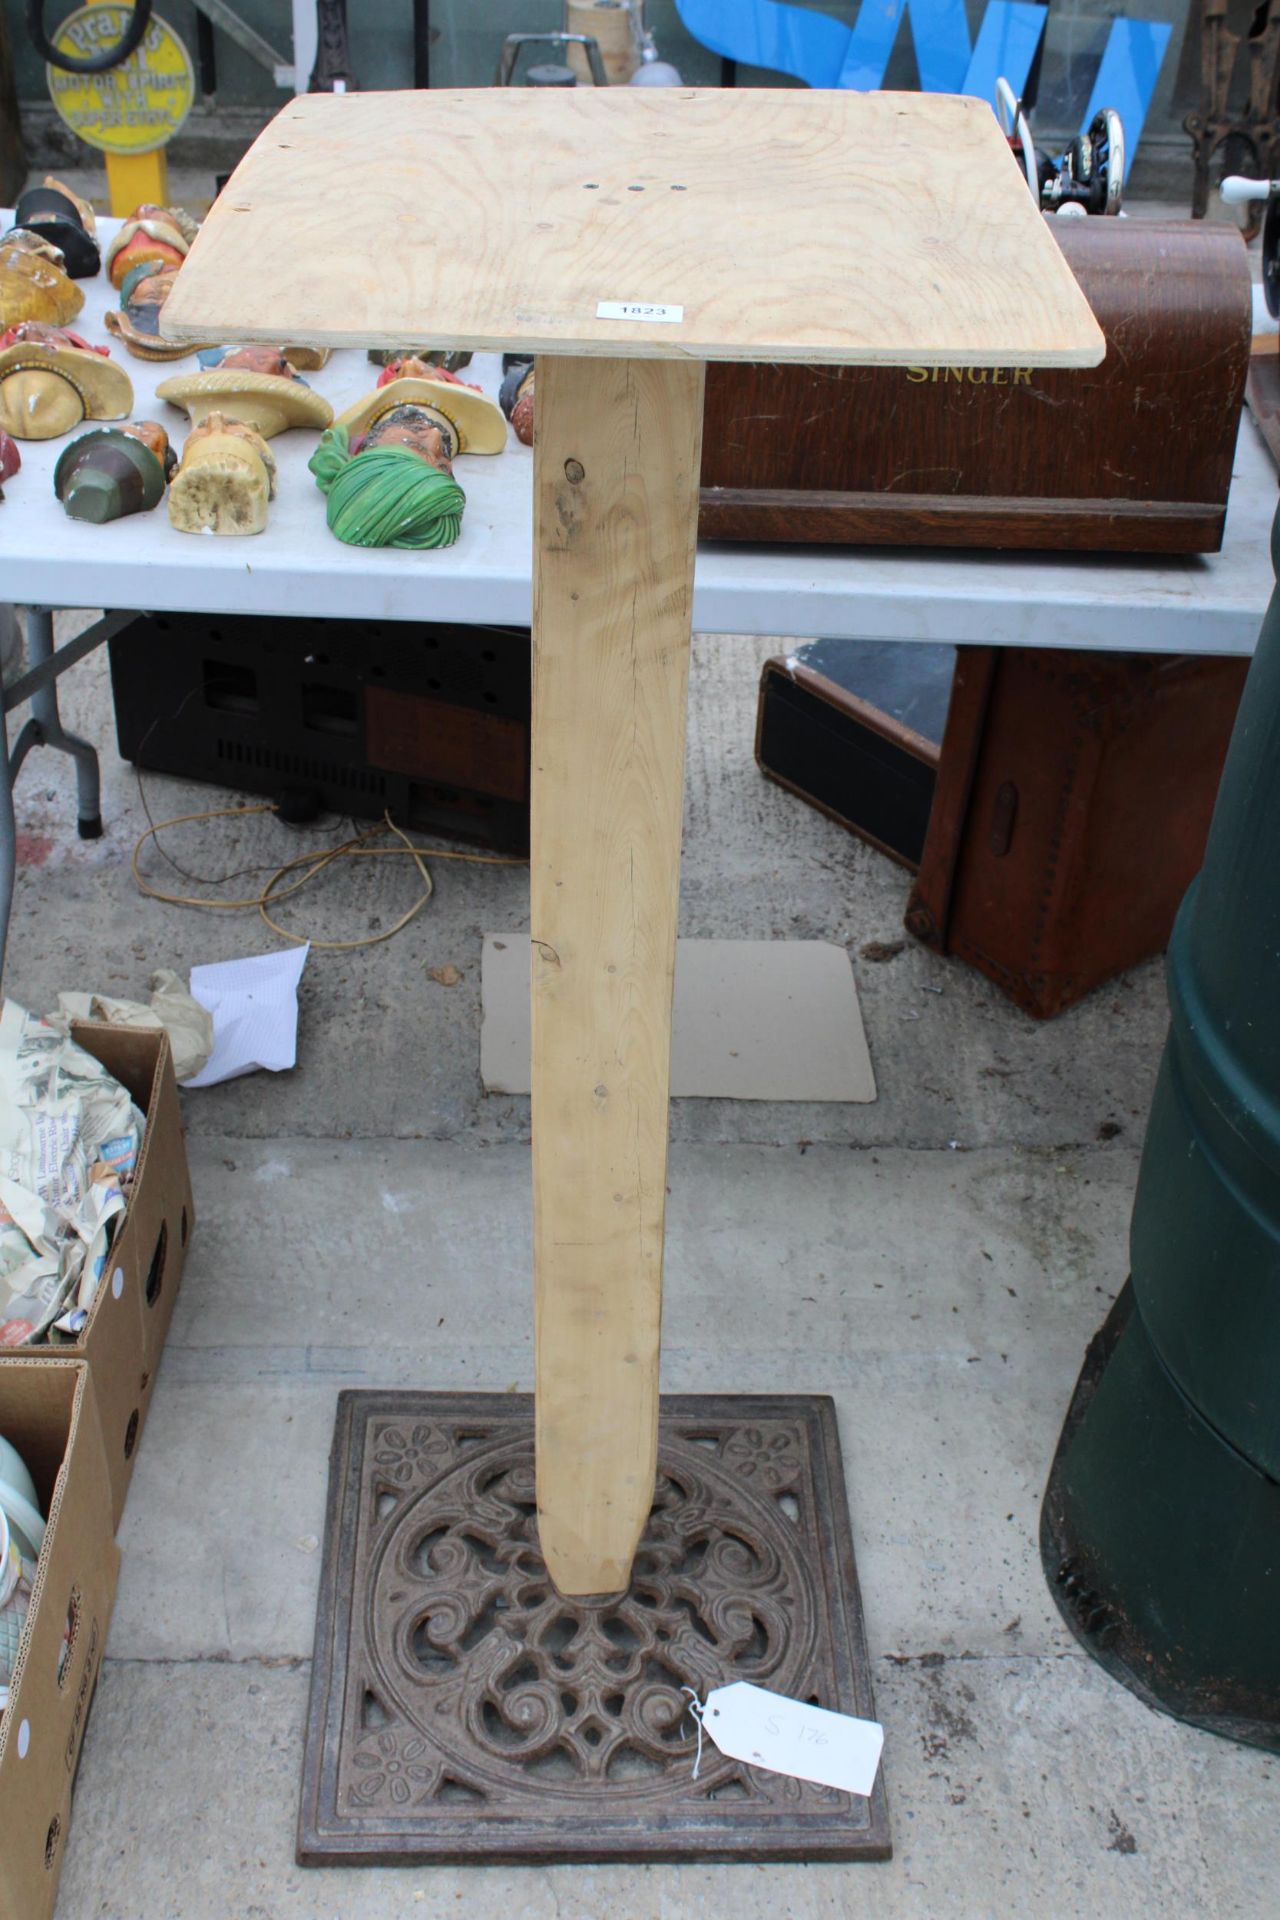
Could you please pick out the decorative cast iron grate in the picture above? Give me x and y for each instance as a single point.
(462, 1709)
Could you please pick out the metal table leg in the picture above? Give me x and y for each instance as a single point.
(8, 835)
(45, 729)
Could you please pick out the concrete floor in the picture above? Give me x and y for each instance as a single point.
(936, 1261)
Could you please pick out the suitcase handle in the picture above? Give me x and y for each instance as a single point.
(1004, 812)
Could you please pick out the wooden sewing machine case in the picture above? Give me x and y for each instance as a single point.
(1132, 456)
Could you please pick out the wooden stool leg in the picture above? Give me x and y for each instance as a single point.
(616, 466)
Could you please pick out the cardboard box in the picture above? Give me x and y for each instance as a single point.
(48, 1411)
(129, 1320)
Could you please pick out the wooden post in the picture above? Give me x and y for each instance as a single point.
(629, 224)
(616, 469)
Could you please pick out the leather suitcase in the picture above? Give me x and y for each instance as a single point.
(855, 727)
(1132, 456)
(1072, 805)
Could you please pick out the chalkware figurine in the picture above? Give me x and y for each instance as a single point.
(151, 236)
(143, 293)
(392, 485)
(10, 459)
(114, 471)
(306, 359)
(225, 479)
(34, 284)
(515, 397)
(296, 359)
(56, 214)
(466, 419)
(51, 380)
(253, 384)
(452, 359)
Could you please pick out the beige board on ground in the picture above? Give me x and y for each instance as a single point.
(751, 1020)
(781, 224)
(786, 225)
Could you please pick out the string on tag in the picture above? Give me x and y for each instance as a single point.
(695, 1709)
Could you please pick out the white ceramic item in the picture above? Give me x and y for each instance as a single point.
(24, 1523)
(13, 1473)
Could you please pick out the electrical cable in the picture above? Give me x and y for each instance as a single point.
(200, 879)
(308, 866)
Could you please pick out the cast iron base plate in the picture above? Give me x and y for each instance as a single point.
(462, 1711)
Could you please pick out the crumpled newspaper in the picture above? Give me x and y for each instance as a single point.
(69, 1141)
(188, 1025)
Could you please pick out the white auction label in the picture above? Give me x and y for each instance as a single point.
(637, 310)
(787, 1736)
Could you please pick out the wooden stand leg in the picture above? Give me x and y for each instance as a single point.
(616, 465)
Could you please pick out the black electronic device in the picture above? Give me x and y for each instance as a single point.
(428, 722)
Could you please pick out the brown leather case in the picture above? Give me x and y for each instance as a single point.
(1072, 805)
(1131, 456)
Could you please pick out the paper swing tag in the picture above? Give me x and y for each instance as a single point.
(787, 1736)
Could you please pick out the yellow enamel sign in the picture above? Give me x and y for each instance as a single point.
(130, 108)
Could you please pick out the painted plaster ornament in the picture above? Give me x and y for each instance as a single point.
(56, 214)
(10, 459)
(114, 471)
(253, 384)
(225, 479)
(151, 236)
(29, 242)
(452, 359)
(34, 285)
(515, 397)
(296, 359)
(307, 359)
(417, 366)
(51, 380)
(468, 421)
(143, 293)
(392, 485)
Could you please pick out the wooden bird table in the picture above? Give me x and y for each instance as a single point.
(626, 238)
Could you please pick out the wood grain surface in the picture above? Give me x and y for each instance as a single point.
(1073, 802)
(1134, 455)
(785, 224)
(615, 503)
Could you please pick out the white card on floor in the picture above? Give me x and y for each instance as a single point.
(787, 1736)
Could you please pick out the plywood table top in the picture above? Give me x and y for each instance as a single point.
(778, 224)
